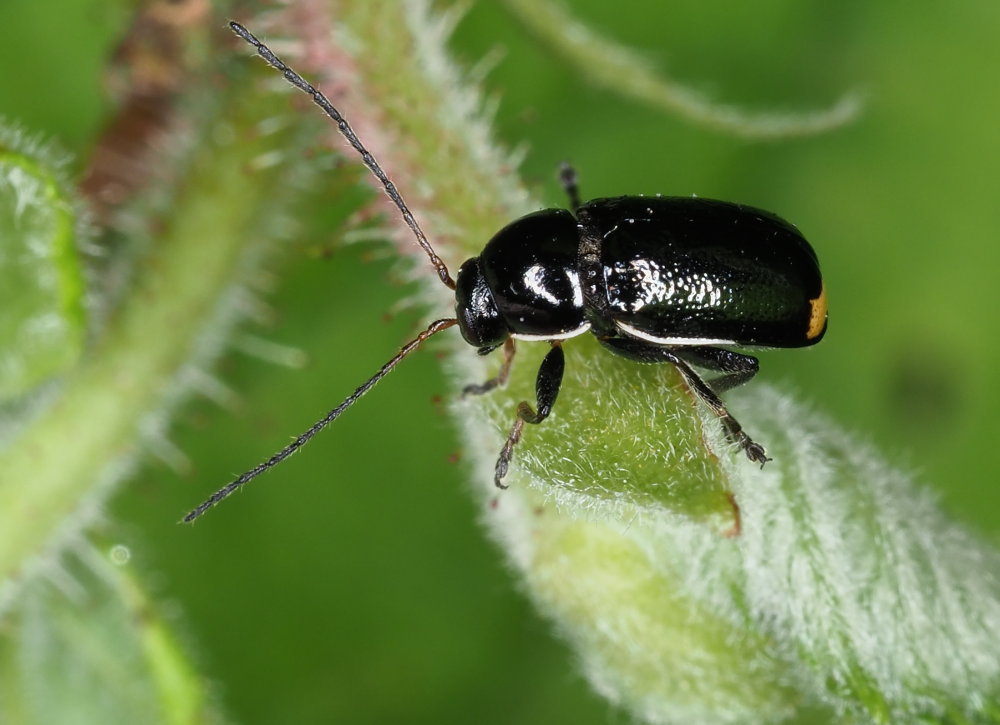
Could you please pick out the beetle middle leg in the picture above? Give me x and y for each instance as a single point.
(641, 351)
(550, 375)
(501, 377)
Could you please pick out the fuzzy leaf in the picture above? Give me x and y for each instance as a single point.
(95, 650)
(41, 283)
(188, 289)
(848, 594)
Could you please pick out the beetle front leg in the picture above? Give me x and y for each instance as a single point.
(550, 375)
(501, 377)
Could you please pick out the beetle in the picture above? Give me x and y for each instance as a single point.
(655, 279)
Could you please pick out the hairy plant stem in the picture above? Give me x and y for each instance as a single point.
(178, 309)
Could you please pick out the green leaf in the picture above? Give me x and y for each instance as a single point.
(622, 70)
(846, 589)
(188, 287)
(43, 324)
(86, 645)
(847, 595)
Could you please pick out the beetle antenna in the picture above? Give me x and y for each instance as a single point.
(345, 129)
(434, 328)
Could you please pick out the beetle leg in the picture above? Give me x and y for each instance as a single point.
(641, 351)
(550, 374)
(738, 368)
(501, 377)
(568, 179)
(755, 451)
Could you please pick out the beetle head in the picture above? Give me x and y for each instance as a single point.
(477, 313)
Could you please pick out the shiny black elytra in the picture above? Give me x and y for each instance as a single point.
(655, 279)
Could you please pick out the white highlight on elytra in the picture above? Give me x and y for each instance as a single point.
(640, 335)
(561, 336)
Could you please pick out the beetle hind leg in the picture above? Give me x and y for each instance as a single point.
(737, 369)
(734, 431)
(550, 375)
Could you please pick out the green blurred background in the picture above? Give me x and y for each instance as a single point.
(353, 584)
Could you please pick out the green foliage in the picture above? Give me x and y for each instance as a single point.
(85, 645)
(846, 590)
(173, 319)
(42, 328)
(620, 70)
(315, 595)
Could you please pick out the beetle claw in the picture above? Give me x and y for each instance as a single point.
(756, 453)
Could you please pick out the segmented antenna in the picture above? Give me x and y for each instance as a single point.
(345, 129)
(434, 328)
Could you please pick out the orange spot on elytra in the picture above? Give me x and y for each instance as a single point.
(817, 318)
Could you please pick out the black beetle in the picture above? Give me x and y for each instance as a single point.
(655, 279)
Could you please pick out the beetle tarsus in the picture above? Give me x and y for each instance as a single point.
(503, 461)
(755, 452)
